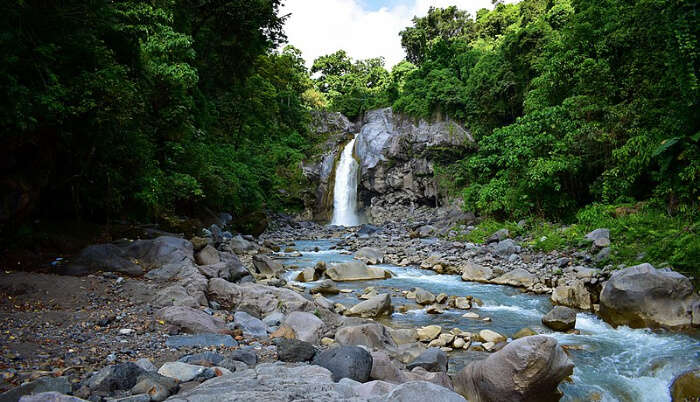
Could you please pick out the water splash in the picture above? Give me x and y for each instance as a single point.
(345, 189)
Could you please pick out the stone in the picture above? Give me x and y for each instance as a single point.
(408, 352)
(523, 333)
(273, 319)
(506, 247)
(240, 245)
(686, 387)
(161, 251)
(642, 296)
(370, 255)
(122, 376)
(247, 356)
(471, 315)
(174, 295)
(103, 257)
(459, 343)
(51, 396)
(41, 385)
(326, 287)
(498, 236)
(462, 303)
(270, 382)
(199, 243)
(476, 273)
(267, 267)
(491, 336)
(422, 391)
(207, 359)
(428, 333)
(573, 295)
(356, 271)
(560, 318)
(207, 256)
(373, 389)
(441, 341)
(132, 398)
(351, 362)
(284, 331)
(306, 326)
(599, 237)
(433, 359)
(527, 369)
(200, 340)
(251, 326)
(157, 386)
(374, 307)
(372, 335)
(517, 277)
(293, 350)
(191, 320)
(383, 368)
(307, 275)
(404, 335)
(145, 364)
(423, 297)
(256, 299)
(182, 372)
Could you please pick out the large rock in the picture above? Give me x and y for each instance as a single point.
(51, 396)
(385, 369)
(476, 273)
(433, 359)
(240, 245)
(424, 297)
(686, 387)
(122, 376)
(207, 256)
(599, 237)
(560, 318)
(182, 372)
(250, 325)
(642, 296)
(373, 335)
(256, 298)
(174, 295)
(422, 391)
(351, 362)
(157, 386)
(191, 320)
(38, 386)
(527, 369)
(506, 247)
(356, 271)
(267, 267)
(516, 277)
(103, 257)
(370, 255)
(200, 340)
(161, 251)
(306, 326)
(374, 307)
(573, 295)
(294, 350)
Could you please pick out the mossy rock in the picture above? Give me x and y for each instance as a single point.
(686, 387)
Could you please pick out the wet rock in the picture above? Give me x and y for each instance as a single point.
(118, 377)
(293, 350)
(527, 369)
(433, 359)
(306, 326)
(191, 320)
(156, 386)
(200, 340)
(351, 362)
(374, 307)
(573, 295)
(326, 287)
(250, 325)
(560, 318)
(686, 387)
(370, 255)
(491, 336)
(422, 391)
(642, 296)
(523, 333)
(356, 271)
(423, 297)
(59, 385)
(476, 273)
(517, 277)
(372, 335)
(428, 333)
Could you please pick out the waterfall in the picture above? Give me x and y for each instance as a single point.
(345, 189)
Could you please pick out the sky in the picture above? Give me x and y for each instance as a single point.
(363, 28)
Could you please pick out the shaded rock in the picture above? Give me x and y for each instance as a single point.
(103, 257)
(383, 368)
(642, 296)
(273, 319)
(156, 386)
(240, 245)
(527, 369)
(41, 385)
(146, 364)
(438, 378)
(266, 266)
(370, 255)
(207, 256)
(200, 340)
(118, 377)
(372, 335)
(326, 287)
(356, 271)
(560, 318)
(476, 273)
(247, 356)
(250, 325)
(374, 307)
(51, 396)
(422, 391)
(351, 362)
(433, 359)
(161, 251)
(306, 326)
(409, 352)
(293, 350)
(191, 320)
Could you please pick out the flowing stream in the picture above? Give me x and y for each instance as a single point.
(620, 364)
(345, 189)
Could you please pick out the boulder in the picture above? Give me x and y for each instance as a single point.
(251, 326)
(41, 385)
(523, 332)
(203, 359)
(182, 372)
(122, 376)
(161, 251)
(240, 245)
(428, 333)
(642, 296)
(207, 256)
(191, 320)
(247, 356)
(476, 273)
(491, 336)
(433, 359)
(356, 271)
(409, 352)
(686, 387)
(174, 295)
(404, 335)
(374, 307)
(373, 389)
(267, 267)
(506, 247)
(307, 275)
(103, 257)
(462, 303)
(573, 295)
(423, 297)
(599, 237)
(373, 335)
(306, 326)
(527, 369)
(351, 362)
(51, 396)
(293, 350)
(326, 287)
(385, 369)
(157, 386)
(517, 277)
(560, 318)
(422, 391)
(500, 234)
(256, 298)
(200, 340)
(370, 255)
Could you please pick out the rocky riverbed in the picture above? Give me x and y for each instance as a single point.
(310, 312)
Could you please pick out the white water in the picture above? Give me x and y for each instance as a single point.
(345, 189)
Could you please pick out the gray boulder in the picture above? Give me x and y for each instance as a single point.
(158, 387)
(250, 325)
(373, 335)
(326, 287)
(506, 247)
(476, 273)
(356, 271)
(350, 362)
(191, 320)
(122, 376)
(59, 385)
(306, 326)
(174, 295)
(433, 359)
(256, 298)
(560, 318)
(424, 297)
(294, 350)
(207, 256)
(377, 306)
(161, 251)
(267, 267)
(103, 257)
(200, 340)
(203, 359)
(527, 369)
(51, 396)
(183, 372)
(240, 245)
(517, 277)
(599, 237)
(370, 255)
(574, 295)
(247, 356)
(642, 296)
(422, 391)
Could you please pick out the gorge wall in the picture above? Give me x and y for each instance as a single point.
(397, 156)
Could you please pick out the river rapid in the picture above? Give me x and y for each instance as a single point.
(619, 364)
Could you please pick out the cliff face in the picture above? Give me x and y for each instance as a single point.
(396, 154)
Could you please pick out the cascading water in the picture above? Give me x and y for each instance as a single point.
(345, 189)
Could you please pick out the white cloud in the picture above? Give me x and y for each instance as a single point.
(320, 27)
